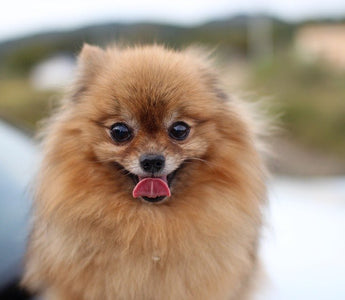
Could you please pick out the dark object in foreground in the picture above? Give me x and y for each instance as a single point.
(13, 291)
(14, 208)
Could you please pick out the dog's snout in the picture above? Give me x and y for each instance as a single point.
(152, 163)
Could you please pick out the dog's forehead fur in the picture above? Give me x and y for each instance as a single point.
(151, 84)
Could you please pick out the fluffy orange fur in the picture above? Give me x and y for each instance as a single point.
(91, 239)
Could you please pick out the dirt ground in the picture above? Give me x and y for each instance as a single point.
(291, 158)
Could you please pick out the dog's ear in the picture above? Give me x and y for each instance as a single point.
(214, 83)
(207, 70)
(90, 57)
(90, 60)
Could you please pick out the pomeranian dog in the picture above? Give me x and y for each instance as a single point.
(151, 184)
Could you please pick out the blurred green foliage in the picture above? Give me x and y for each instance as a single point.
(310, 98)
(22, 60)
(24, 106)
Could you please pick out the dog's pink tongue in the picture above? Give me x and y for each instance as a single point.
(152, 187)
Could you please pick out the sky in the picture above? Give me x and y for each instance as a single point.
(19, 18)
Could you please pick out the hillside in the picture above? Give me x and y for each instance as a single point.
(228, 35)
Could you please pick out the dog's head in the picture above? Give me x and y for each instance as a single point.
(150, 114)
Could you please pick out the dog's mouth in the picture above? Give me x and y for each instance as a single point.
(153, 188)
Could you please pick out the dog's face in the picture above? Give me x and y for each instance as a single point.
(151, 113)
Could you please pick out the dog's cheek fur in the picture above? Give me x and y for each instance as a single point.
(90, 242)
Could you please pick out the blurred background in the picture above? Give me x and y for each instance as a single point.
(290, 54)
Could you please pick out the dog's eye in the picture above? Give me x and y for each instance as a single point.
(120, 132)
(179, 131)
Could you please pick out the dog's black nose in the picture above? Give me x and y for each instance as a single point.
(152, 163)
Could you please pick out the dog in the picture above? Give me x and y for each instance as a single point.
(151, 184)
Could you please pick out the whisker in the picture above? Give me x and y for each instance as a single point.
(121, 168)
(211, 165)
(103, 160)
